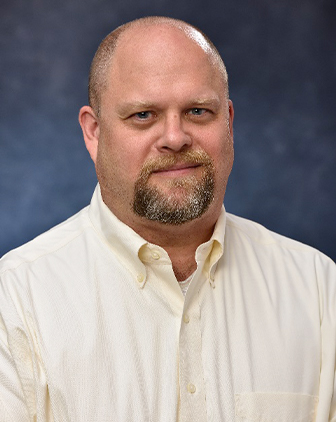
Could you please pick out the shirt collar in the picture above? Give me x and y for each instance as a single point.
(120, 238)
(128, 246)
(210, 252)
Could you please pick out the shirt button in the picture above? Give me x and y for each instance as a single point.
(140, 278)
(191, 388)
(186, 318)
(155, 255)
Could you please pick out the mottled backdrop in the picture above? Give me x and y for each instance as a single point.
(281, 58)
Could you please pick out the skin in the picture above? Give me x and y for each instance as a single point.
(164, 97)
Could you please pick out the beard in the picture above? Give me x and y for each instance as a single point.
(175, 207)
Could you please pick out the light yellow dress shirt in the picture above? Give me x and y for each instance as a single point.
(94, 327)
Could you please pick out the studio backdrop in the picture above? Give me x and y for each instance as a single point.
(281, 60)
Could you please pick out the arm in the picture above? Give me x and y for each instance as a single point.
(12, 399)
(23, 385)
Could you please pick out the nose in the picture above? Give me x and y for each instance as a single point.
(173, 136)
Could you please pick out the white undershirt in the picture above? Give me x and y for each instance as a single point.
(185, 284)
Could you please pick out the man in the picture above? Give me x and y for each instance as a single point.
(153, 304)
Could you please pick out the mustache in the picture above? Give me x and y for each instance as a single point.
(189, 158)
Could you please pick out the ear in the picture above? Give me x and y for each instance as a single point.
(90, 127)
(231, 115)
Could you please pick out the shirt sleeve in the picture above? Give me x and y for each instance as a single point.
(326, 277)
(24, 393)
(12, 400)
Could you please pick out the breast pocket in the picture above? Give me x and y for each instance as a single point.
(275, 407)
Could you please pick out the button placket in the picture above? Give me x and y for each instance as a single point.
(192, 393)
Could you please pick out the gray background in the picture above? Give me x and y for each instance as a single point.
(281, 59)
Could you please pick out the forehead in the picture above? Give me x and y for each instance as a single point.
(169, 34)
(158, 42)
(159, 55)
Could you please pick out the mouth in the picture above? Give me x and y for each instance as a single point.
(177, 169)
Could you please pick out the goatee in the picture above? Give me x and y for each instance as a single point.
(168, 208)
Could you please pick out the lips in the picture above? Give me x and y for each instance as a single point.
(177, 168)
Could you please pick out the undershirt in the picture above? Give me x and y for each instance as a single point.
(185, 284)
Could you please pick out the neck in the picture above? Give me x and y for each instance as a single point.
(179, 241)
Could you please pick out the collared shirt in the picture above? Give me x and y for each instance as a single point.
(94, 327)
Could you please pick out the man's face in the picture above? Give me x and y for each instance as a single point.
(165, 130)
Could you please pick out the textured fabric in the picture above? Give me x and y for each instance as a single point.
(94, 327)
(185, 284)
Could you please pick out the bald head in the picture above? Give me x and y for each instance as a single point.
(101, 64)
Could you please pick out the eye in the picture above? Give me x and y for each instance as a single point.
(197, 111)
(141, 119)
(143, 115)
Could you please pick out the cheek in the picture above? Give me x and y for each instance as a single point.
(220, 147)
(129, 150)
(228, 152)
(116, 157)
(129, 162)
(227, 159)
(223, 156)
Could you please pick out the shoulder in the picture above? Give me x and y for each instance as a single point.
(254, 240)
(251, 246)
(48, 243)
(257, 234)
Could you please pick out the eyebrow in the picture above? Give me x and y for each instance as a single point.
(206, 101)
(128, 107)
